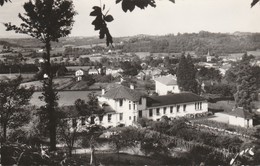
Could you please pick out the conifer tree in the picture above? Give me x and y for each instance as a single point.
(186, 75)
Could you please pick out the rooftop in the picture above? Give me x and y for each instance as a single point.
(240, 112)
(122, 92)
(167, 80)
(178, 98)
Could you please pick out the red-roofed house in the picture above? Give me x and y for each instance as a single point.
(165, 84)
(240, 117)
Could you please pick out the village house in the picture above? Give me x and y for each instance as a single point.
(153, 72)
(94, 71)
(240, 117)
(114, 72)
(141, 75)
(126, 105)
(166, 84)
(79, 74)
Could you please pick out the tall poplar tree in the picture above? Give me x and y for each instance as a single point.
(47, 21)
(246, 84)
(186, 75)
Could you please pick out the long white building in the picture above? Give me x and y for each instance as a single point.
(124, 106)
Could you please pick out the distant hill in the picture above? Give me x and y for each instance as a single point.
(201, 43)
(9, 44)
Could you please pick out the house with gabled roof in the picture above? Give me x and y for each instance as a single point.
(127, 105)
(240, 117)
(79, 74)
(166, 84)
(125, 102)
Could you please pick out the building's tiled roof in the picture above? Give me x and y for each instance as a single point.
(178, 98)
(240, 112)
(167, 80)
(122, 92)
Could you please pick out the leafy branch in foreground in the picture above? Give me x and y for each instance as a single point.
(3, 1)
(254, 2)
(100, 23)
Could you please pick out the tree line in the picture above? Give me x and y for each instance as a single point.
(201, 43)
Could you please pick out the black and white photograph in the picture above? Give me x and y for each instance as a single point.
(129, 82)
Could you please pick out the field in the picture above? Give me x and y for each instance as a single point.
(26, 76)
(66, 98)
(59, 83)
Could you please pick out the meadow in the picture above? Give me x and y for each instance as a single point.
(66, 98)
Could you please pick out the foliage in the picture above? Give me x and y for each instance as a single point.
(246, 85)
(186, 75)
(199, 42)
(100, 23)
(4, 1)
(67, 133)
(90, 108)
(224, 90)
(18, 68)
(47, 21)
(13, 98)
(211, 74)
(219, 125)
(254, 2)
(130, 69)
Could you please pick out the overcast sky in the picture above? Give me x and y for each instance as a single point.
(183, 16)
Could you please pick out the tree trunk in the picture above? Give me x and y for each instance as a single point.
(50, 98)
(4, 132)
(70, 151)
(92, 155)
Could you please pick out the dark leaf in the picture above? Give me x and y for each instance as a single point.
(104, 6)
(254, 2)
(96, 12)
(128, 5)
(101, 33)
(3, 1)
(109, 18)
(173, 1)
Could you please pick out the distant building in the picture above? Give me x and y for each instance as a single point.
(93, 71)
(240, 117)
(79, 74)
(114, 72)
(166, 84)
(141, 75)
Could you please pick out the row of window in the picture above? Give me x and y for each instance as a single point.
(165, 108)
(198, 106)
(121, 102)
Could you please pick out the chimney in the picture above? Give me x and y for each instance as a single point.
(103, 91)
(132, 86)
